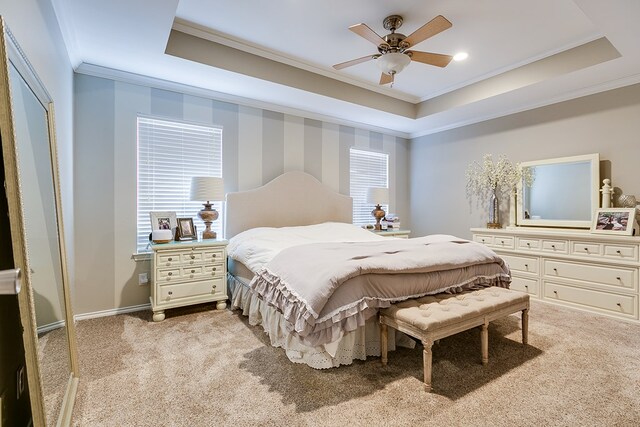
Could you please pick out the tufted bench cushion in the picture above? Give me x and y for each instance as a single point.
(437, 316)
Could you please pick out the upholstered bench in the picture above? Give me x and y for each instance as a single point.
(437, 316)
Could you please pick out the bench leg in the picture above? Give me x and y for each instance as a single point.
(426, 354)
(484, 339)
(383, 343)
(525, 326)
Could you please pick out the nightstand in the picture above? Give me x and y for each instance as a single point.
(186, 273)
(401, 234)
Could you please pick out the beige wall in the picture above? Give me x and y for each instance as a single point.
(607, 123)
(258, 145)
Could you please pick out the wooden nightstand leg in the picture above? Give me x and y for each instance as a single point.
(525, 326)
(383, 343)
(426, 355)
(158, 316)
(484, 337)
(221, 305)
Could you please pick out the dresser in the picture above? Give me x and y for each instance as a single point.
(593, 272)
(185, 273)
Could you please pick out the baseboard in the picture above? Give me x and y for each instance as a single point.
(112, 312)
(50, 326)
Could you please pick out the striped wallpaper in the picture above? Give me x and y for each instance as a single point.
(258, 145)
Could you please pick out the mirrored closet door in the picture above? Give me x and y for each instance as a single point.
(33, 195)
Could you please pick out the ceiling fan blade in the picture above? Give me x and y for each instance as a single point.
(363, 31)
(437, 59)
(353, 62)
(385, 79)
(430, 29)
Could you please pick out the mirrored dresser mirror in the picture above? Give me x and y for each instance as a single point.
(33, 196)
(564, 192)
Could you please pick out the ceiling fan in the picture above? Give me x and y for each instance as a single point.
(394, 55)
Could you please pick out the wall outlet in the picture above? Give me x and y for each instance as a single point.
(143, 279)
(20, 381)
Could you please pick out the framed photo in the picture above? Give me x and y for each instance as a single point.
(186, 230)
(163, 220)
(614, 221)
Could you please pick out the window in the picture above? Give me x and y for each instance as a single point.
(367, 169)
(169, 154)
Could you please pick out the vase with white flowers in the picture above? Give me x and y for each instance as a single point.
(491, 180)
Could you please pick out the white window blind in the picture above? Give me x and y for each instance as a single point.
(169, 154)
(367, 169)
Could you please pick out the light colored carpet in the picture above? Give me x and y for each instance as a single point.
(202, 367)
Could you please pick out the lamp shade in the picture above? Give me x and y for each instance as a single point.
(393, 62)
(209, 188)
(378, 195)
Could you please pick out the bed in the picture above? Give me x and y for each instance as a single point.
(315, 282)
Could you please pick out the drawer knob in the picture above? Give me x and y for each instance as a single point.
(555, 269)
(191, 262)
(555, 292)
(214, 255)
(526, 266)
(586, 249)
(193, 271)
(618, 252)
(191, 276)
(170, 293)
(170, 259)
(482, 240)
(214, 286)
(214, 269)
(617, 278)
(528, 244)
(170, 273)
(193, 256)
(502, 241)
(553, 246)
(526, 286)
(618, 304)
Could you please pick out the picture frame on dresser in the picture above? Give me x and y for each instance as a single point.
(620, 221)
(163, 220)
(186, 229)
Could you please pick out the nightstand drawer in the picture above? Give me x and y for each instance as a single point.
(213, 255)
(169, 259)
(168, 275)
(624, 305)
(521, 263)
(193, 272)
(192, 257)
(597, 274)
(170, 293)
(214, 270)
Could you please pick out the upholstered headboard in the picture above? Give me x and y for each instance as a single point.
(293, 198)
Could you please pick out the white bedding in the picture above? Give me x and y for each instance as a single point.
(257, 246)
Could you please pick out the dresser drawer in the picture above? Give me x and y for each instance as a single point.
(213, 255)
(555, 246)
(171, 293)
(529, 244)
(483, 238)
(521, 263)
(524, 284)
(503, 242)
(168, 275)
(214, 270)
(597, 274)
(193, 272)
(620, 251)
(586, 249)
(624, 305)
(192, 257)
(169, 259)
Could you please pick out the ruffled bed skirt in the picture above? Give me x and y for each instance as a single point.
(357, 344)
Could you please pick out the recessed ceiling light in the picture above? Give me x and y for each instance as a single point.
(460, 56)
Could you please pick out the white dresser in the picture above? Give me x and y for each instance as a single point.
(401, 234)
(185, 273)
(593, 272)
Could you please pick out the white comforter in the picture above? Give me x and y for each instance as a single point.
(257, 246)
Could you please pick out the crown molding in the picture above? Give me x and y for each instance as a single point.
(138, 79)
(62, 10)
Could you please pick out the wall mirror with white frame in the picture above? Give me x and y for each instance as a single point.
(564, 192)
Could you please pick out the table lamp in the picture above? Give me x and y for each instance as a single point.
(378, 196)
(209, 188)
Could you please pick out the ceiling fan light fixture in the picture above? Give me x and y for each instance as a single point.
(393, 62)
